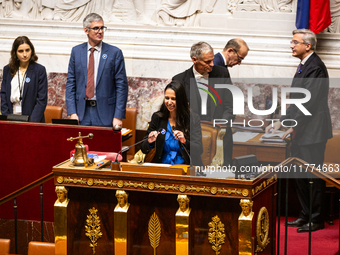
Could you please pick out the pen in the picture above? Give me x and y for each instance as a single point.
(100, 163)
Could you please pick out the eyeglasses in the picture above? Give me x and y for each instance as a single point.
(239, 59)
(296, 42)
(96, 29)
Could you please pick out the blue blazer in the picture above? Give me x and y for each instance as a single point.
(34, 96)
(111, 88)
(219, 61)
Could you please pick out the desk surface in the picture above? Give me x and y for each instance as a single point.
(265, 152)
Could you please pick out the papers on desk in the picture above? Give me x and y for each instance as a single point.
(95, 157)
(243, 136)
(125, 131)
(274, 138)
(156, 164)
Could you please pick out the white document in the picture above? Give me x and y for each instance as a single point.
(243, 136)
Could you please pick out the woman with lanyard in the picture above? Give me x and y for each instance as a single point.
(24, 84)
(174, 130)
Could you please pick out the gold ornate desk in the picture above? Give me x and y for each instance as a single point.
(216, 220)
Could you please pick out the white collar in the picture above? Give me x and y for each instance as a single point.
(198, 75)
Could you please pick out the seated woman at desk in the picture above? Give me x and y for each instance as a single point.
(173, 127)
(24, 84)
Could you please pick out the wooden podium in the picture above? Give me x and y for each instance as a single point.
(134, 212)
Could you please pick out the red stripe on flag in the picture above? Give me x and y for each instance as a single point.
(319, 15)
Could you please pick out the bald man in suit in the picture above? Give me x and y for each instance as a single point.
(233, 54)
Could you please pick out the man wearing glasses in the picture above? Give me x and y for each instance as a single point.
(96, 88)
(233, 53)
(311, 132)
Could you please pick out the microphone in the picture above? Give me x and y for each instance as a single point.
(191, 168)
(116, 165)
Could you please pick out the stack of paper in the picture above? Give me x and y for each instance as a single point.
(274, 138)
(125, 131)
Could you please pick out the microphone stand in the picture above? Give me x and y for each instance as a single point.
(191, 169)
(116, 165)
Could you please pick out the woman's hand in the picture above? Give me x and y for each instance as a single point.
(153, 136)
(180, 136)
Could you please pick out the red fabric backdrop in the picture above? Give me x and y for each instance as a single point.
(28, 151)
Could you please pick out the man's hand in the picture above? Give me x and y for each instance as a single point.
(74, 116)
(273, 127)
(117, 121)
(289, 131)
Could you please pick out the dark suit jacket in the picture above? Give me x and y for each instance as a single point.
(219, 61)
(218, 75)
(316, 128)
(193, 143)
(111, 88)
(34, 96)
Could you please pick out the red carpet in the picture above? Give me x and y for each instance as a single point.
(324, 242)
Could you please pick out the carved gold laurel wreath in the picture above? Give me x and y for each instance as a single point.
(216, 234)
(262, 229)
(154, 231)
(92, 228)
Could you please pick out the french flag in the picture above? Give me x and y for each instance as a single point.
(313, 14)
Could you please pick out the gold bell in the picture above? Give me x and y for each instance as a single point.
(80, 157)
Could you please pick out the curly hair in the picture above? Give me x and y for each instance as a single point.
(14, 62)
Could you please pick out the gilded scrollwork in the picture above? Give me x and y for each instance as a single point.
(162, 186)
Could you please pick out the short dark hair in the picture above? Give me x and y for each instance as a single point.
(14, 62)
(182, 106)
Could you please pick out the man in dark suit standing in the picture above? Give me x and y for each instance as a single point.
(200, 79)
(233, 54)
(311, 132)
(96, 88)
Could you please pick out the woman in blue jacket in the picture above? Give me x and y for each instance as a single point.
(24, 84)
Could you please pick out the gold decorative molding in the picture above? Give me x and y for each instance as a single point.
(245, 192)
(60, 179)
(216, 234)
(230, 191)
(171, 187)
(264, 184)
(92, 228)
(198, 189)
(154, 231)
(74, 180)
(262, 229)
